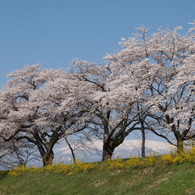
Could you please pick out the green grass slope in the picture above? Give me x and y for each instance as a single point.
(160, 179)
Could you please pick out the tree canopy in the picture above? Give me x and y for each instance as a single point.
(147, 85)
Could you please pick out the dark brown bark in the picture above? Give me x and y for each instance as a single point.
(113, 141)
(107, 152)
(47, 159)
(180, 146)
(143, 146)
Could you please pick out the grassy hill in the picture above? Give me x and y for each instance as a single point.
(136, 176)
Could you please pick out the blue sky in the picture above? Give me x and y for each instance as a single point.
(53, 32)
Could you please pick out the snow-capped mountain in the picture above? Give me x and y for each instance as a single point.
(129, 148)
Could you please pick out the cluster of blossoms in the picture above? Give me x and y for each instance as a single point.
(148, 85)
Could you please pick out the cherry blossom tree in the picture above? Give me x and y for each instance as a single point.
(14, 153)
(147, 85)
(163, 67)
(113, 114)
(31, 111)
(7, 150)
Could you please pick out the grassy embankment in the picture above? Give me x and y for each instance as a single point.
(162, 175)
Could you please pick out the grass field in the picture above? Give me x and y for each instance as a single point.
(105, 178)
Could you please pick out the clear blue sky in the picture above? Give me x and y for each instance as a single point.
(53, 32)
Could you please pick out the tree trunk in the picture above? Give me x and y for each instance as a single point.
(47, 159)
(71, 149)
(180, 146)
(107, 152)
(143, 147)
(141, 120)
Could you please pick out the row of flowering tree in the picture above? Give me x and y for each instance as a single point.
(147, 85)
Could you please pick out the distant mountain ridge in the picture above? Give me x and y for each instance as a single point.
(129, 148)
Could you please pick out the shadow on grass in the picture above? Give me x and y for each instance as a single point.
(3, 174)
